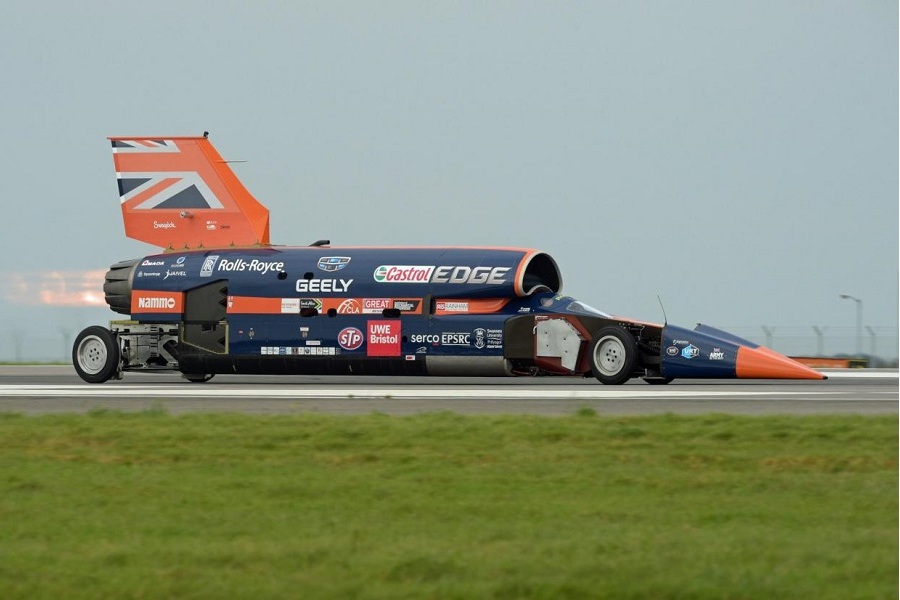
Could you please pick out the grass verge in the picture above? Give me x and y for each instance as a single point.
(447, 506)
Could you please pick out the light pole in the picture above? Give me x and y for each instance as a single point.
(872, 339)
(858, 322)
(820, 334)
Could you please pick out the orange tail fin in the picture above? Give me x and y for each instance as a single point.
(177, 192)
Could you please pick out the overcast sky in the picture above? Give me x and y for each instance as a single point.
(738, 159)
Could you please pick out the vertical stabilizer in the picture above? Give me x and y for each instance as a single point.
(177, 192)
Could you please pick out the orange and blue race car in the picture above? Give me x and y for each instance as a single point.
(219, 298)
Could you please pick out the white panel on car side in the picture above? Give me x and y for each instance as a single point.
(557, 338)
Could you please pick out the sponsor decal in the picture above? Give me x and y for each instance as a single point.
(450, 338)
(165, 225)
(441, 274)
(150, 274)
(478, 338)
(208, 263)
(211, 225)
(179, 263)
(383, 338)
(143, 301)
(153, 263)
(373, 306)
(175, 273)
(315, 303)
(313, 342)
(410, 357)
(290, 306)
(239, 265)
(672, 350)
(421, 350)
(469, 275)
(350, 338)
(333, 263)
(406, 305)
(403, 274)
(164, 303)
(425, 338)
(298, 351)
(350, 306)
(525, 309)
(445, 306)
(323, 286)
(493, 338)
(717, 354)
(690, 351)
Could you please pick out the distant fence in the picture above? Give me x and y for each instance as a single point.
(878, 344)
(823, 362)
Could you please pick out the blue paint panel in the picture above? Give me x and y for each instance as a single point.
(694, 354)
(468, 335)
(360, 273)
(724, 336)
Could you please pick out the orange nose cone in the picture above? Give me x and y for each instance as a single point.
(764, 363)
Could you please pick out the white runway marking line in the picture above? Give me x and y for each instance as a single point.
(859, 374)
(181, 391)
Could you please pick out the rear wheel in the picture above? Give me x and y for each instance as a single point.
(613, 355)
(95, 354)
(197, 377)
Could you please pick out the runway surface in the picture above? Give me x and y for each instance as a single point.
(57, 389)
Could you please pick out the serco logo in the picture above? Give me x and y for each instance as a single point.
(403, 274)
(350, 338)
(166, 303)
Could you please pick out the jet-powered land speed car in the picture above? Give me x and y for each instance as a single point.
(221, 299)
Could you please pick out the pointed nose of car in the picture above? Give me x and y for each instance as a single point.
(707, 352)
(764, 363)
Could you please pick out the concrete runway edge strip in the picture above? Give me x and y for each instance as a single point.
(181, 391)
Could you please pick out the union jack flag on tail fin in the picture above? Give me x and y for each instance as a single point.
(177, 192)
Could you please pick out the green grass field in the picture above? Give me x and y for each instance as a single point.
(111, 505)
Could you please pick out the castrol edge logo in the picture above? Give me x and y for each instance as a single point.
(442, 274)
(143, 301)
(403, 274)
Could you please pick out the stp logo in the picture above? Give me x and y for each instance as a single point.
(350, 338)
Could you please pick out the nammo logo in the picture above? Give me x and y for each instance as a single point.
(156, 302)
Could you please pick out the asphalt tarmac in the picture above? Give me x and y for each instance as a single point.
(57, 389)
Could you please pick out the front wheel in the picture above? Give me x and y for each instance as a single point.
(613, 355)
(95, 354)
